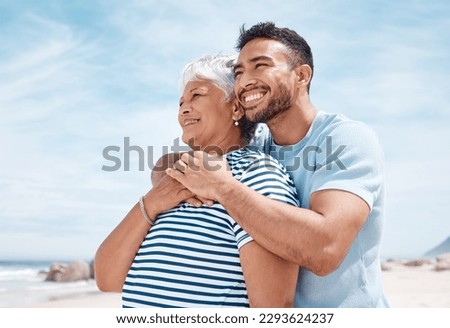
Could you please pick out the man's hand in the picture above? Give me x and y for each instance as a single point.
(159, 172)
(166, 194)
(201, 173)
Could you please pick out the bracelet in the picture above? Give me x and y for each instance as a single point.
(144, 212)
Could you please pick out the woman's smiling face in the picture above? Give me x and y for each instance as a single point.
(205, 115)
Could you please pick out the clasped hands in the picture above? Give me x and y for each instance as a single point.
(195, 178)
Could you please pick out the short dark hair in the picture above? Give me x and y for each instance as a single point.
(299, 51)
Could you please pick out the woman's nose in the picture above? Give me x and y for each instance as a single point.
(185, 109)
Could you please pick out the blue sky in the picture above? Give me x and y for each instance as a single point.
(79, 76)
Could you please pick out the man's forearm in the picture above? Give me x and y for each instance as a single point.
(293, 233)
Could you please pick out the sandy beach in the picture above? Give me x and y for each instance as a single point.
(405, 287)
(417, 287)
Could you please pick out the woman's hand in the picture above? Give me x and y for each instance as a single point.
(166, 194)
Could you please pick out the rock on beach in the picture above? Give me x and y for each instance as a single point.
(75, 271)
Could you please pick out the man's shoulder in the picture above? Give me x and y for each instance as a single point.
(340, 121)
(325, 125)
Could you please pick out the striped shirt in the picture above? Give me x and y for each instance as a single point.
(190, 258)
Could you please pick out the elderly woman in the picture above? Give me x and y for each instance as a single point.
(169, 253)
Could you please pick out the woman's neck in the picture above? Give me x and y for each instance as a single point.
(223, 145)
(223, 148)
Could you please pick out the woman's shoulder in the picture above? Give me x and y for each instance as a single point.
(247, 154)
(251, 157)
(263, 173)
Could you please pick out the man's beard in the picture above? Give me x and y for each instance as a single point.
(275, 107)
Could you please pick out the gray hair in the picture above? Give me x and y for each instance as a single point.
(218, 69)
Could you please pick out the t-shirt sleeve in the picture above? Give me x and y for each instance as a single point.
(350, 159)
(267, 176)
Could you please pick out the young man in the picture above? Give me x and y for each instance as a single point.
(336, 165)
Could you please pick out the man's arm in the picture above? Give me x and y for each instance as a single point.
(317, 238)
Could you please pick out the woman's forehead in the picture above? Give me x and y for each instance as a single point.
(200, 85)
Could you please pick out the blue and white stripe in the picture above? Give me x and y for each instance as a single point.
(190, 258)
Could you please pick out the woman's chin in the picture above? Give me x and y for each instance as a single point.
(195, 147)
(187, 139)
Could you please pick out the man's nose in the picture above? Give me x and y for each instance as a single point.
(246, 80)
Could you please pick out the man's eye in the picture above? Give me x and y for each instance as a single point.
(195, 95)
(237, 73)
(260, 65)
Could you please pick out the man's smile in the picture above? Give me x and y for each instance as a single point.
(251, 98)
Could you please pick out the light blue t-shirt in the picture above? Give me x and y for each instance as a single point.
(338, 153)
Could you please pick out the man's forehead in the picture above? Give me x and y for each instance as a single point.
(261, 47)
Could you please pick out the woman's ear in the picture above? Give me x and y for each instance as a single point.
(238, 111)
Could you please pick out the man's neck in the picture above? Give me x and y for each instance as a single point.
(292, 126)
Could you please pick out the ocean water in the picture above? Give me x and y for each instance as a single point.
(22, 284)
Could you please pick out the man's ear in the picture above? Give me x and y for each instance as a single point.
(304, 74)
